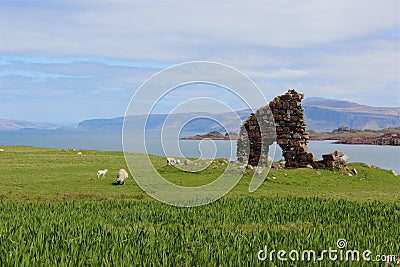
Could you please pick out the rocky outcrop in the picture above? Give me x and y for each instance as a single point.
(215, 135)
(390, 139)
(345, 135)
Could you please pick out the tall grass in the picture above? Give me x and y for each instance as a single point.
(229, 232)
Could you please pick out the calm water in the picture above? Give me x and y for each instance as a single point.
(387, 157)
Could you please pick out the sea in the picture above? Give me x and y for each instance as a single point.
(386, 157)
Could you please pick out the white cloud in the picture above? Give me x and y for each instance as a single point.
(340, 49)
(177, 31)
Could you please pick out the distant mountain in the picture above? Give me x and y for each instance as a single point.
(321, 114)
(156, 122)
(8, 125)
(327, 114)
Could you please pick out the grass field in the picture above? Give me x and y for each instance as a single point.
(54, 211)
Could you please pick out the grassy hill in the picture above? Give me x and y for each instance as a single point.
(54, 211)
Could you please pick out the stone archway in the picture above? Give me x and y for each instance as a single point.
(281, 121)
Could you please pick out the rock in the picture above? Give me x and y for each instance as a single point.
(328, 157)
(188, 162)
(329, 163)
(338, 153)
(354, 171)
(309, 166)
(276, 166)
(249, 167)
(344, 159)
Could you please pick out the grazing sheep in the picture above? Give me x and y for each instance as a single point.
(171, 161)
(79, 154)
(1, 150)
(101, 172)
(122, 176)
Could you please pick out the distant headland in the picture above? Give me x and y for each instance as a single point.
(215, 135)
(342, 135)
(346, 135)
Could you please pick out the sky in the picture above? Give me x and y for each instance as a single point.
(67, 61)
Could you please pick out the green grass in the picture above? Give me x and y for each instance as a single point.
(55, 212)
(39, 174)
(229, 232)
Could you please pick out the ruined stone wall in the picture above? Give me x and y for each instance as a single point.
(281, 121)
(257, 133)
(291, 129)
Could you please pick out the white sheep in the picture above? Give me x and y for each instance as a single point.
(1, 150)
(171, 161)
(79, 154)
(122, 176)
(101, 173)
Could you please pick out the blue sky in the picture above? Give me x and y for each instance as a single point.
(66, 61)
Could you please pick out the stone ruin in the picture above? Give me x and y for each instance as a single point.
(255, 138)
(291, 133)
(282, 121)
